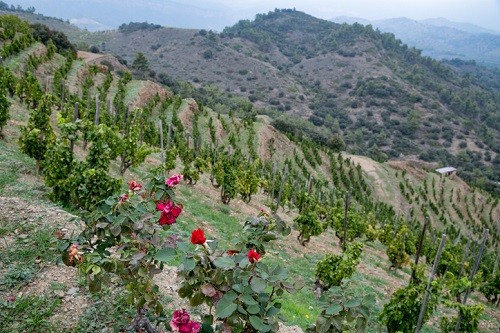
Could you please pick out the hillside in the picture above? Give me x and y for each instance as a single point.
(232, 169)
(441, 39)
(386, 100)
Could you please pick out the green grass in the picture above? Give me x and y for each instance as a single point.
(132, 90)
(28, 314)
(30, 245)
(105, 309)
(14, 63)
(214, 213)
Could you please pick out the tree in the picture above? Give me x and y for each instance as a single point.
(4, 110)
(140, 62)
(133, 151)
(37, 136)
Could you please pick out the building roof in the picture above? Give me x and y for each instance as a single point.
(446, 170)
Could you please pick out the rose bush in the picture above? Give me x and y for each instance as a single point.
(120, 244)
(241, 292)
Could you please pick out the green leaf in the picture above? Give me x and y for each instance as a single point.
(130, 298)
(361, 324)
(95, 285)
(364, 310)
(253, 309)
(238, 288)
(141, 302)
(264, 297)
(258, 284)
(158, 194)
(299, 284)
(282, 318)
(272, 311)
(248, 299)
(183, 246)
(368, 300)
(197, 299)
(226, 307)
(335, 291)
(165, 254)
(96, 270)
(352, 303)
(278, 274)
(224, 262)
(208, 319)
(333, 309)
(115, 230)
(323, 325)
(189, 264)
(256, 323)
(186, 290)
(206, 328)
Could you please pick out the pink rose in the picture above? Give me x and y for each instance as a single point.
(181, 323)
(173, 180)
(133, 186)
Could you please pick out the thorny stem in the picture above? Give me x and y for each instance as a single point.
(141, 321)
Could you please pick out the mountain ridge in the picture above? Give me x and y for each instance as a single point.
(440, 38)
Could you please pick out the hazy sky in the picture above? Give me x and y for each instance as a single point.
(215, 14)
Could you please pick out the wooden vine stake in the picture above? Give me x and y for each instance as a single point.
(310, 185)
(283, 181)
(471, 277)
(168, 135)
(162, 151)
(97, 110)
(420, 242)
(272, 181)
(63, 93)
(466, 253)
(75, 117)
(344, 240)
(400, 254)
(427, 290)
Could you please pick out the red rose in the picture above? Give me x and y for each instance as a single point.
(253, 256)
(169, 212)
(198, 237)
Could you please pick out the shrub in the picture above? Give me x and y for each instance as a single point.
(334, 268)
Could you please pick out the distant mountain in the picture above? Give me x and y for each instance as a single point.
(440, 38)
(464, 26)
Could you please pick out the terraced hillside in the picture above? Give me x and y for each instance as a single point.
(232, 168)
